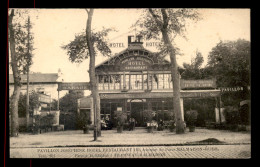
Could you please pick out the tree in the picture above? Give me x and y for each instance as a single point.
(16, 42)
(230, 64)
(19, 58)
(166, 24)
(85, 45)
(68, 108)
(68, 103)
(34, 103)
(193, 70)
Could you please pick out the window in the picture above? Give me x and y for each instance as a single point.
(100, 82)
(126, 82)
(106, 82)
(160, 81)
(145, 82)
(167, 81)
(136, 82)
(117, 81)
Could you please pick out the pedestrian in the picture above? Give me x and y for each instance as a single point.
(161, 125)
(131, 124)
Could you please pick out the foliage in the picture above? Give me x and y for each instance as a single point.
(175, 22)
(78, 49)
(20, 56)
(148, 115)
(205, 108)
(22, 105)
(230, 62)
(83, 120)
(68, 103)
(166, 24)
(43, 121)
(23, 46)
(166, 115)
(193, 70)
(191, 117)
(232, 115)
(33, 103)
(120, 117)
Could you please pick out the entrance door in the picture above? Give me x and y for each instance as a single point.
(136, 112)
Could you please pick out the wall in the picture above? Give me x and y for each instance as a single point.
(48, 89)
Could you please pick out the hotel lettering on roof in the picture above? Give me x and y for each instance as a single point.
(137, 79)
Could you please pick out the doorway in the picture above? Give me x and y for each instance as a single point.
(136, 112)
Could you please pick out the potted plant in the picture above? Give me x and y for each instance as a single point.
(121, 118)
(84, 122)
(150, 123)
(171, 126)
(86, 127)
(191, 119)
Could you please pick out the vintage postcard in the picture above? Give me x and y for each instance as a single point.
(129, 83)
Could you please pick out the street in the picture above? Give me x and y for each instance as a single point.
(203, 143)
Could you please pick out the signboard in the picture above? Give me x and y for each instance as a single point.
(135, 63)
(74, 86)
(234, 89)
(119, 109)
(199, 94)
(44, 98)
(184, 94)
(210, 83)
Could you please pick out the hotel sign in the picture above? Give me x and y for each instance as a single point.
(74, 86)
(203, 83)
(135, 63)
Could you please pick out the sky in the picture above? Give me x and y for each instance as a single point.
(56, 27)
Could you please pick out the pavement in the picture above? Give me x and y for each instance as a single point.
(203, 143)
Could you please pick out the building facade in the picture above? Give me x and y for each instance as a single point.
(43, 83)
(135, 80)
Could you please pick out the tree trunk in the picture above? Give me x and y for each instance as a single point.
(175, 83)
(92, 76)
(17, 79)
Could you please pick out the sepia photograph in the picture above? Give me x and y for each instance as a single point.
(129, 83)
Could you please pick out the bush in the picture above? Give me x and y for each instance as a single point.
(42, 122)
(191, 117)
(120, 117)
(148, 115)
(232, 115)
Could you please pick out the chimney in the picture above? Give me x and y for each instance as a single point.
(130, 39)
(60, 76)
(138, 40)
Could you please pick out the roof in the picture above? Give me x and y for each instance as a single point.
(37, 78)
(131, 47)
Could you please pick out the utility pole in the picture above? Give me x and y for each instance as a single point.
(28, 70)
(27, 100)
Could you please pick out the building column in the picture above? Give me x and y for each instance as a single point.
(58, 104)
(182, 109)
